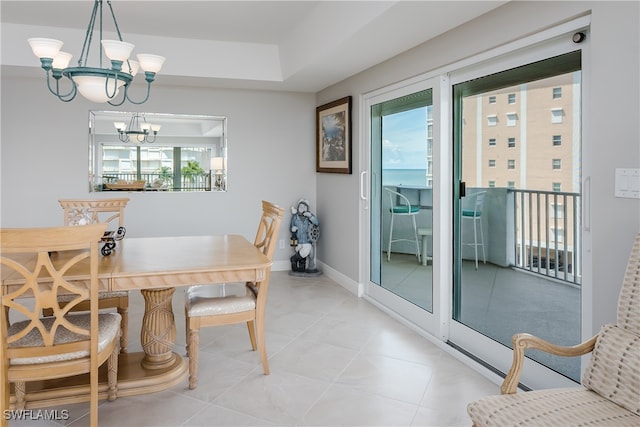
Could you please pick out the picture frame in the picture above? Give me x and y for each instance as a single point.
(333, 137)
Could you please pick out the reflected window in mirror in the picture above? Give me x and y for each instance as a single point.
(157, 152)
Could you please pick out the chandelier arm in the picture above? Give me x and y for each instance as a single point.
(66, 97)
(151, 138)
(115, 86)
(122, 136)
(126, 94)
(117, 104)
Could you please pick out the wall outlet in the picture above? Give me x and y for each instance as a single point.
(281, 243)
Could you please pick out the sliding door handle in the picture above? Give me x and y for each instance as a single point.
(363, 185)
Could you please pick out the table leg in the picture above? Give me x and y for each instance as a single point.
(158, 335)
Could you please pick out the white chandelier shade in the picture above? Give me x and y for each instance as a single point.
(96, 84)
(117, 50)
(97, 89)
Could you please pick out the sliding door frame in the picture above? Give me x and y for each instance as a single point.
(374, 293)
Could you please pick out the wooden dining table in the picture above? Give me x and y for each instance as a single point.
(156, 266)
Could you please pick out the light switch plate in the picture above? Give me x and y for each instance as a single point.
(627, 183)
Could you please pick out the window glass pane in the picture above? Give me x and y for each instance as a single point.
(402, 137)
(557, 92)
(556, 115)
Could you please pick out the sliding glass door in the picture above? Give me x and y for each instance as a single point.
(487, 160)
(401, 201)
(517, 229)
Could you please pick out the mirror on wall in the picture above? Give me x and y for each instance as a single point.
(134, 151)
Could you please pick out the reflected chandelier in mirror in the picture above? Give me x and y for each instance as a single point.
(136, 151)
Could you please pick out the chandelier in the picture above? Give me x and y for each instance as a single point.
(95, 84)
(140, 131)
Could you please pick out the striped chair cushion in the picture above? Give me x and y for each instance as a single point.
(556, 407)
(614, 368)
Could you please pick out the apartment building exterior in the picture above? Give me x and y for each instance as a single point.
(525, 138)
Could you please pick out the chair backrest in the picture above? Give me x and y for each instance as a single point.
(396, 200)
(38, 263)
(91, 211)
(473, 206)
(629, 299)
(268, 228)
(614, 367)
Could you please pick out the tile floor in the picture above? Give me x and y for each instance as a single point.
(499, 302)
(335, 360)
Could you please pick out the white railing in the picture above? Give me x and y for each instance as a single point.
(547, 233)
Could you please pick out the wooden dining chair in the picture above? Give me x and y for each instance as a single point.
(205, 305)
(38, 265)
(92, 211)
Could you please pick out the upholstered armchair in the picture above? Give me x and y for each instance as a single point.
(610, 390)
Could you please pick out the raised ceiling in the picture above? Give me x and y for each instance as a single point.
(281, 45)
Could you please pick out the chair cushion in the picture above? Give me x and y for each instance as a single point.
(470, 213)
(614, 368)
(403, 209)
(555, 407)
(108, 330)
(205, 301)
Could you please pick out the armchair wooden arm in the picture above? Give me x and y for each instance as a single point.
(522, 342)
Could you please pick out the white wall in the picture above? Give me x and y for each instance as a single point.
(611, 73)
(44, 157)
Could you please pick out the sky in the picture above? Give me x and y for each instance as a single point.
(404, 140)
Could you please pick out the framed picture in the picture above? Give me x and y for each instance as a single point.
(333, 136)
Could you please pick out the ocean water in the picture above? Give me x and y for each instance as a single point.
(404, 176)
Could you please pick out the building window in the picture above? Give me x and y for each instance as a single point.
(511, 98)
(511, 164)
(557, 234)
(511, 184)
(556, 186)
(557, 92)
(557, 140)
(511, 143)
(512, 118)
(492, 100)
(557, 210)
(492, 120)
(492, 184)
(556, 164)
(492, 142)
(556, 115)
(492, 163)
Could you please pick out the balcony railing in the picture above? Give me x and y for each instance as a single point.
(197, 182)
(547, 233)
